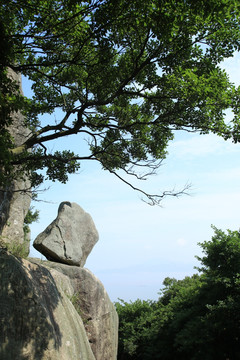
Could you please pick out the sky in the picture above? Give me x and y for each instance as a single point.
(140, 245)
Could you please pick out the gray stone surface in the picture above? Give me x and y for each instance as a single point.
(37, 319)
(70, 237)
(97, 311)
(16, 198)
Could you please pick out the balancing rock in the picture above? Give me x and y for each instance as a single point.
(70, 238)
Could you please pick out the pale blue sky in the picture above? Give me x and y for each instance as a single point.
(140, 245)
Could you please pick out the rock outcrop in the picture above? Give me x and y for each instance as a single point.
(16, 198)
(50, 310)
(53, 312)
(38, 321)
(70, 237)
(93, 304)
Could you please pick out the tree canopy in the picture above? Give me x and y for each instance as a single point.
(125, 75)
(195, 318)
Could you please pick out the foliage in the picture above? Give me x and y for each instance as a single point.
(22, 249)
(122, 74)
(30, 217)
(136, 321)
(76, 301)
(222, 255)
(19, 250)
(195, 318)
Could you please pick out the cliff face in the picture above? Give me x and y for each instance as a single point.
(92, 304)
(16, 198)
(50, 311)
(38, 321)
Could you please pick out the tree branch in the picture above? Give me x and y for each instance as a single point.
(153, 199)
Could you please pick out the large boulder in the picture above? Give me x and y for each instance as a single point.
(37, 318)
(70, 237)
(92, 302)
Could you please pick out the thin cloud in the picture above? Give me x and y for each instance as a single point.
(181, 242)
(197, 146)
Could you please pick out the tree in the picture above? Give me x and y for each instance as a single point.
(194, 318)
(221, 277)
(123, 74)
(203, 321)
(31, 217)
(136, 322)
